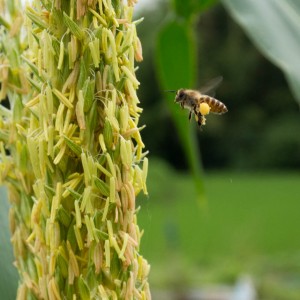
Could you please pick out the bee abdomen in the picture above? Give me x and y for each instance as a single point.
(215, 105)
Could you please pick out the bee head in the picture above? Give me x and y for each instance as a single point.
(180, 96)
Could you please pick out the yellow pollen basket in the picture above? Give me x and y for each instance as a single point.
(204, 109)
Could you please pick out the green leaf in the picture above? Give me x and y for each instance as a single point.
(176, 66)
(184, 8)
(188, 8)
(8, 274)
(274, 27)
(176, 56)
(205, 4)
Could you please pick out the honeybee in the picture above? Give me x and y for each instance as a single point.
(201, 102)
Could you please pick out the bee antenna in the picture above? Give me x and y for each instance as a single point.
(171, 91)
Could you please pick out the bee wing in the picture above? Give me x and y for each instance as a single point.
(210, 87)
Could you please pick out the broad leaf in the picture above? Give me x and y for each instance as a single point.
(175, 55)
(176, 65)
(188, 8)
(274, 26)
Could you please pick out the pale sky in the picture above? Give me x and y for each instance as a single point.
(144, 3)
(140, 5)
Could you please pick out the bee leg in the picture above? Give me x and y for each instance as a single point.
(195, 109)
(190, 115)
(199, 120)
(182, 105)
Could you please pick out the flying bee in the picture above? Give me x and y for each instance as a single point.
(201, 102)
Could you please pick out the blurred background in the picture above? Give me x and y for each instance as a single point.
(224, 206)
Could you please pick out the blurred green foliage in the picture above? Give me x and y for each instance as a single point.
(248, 227)
(188, 9)
(260, 129)
(274, 27)
(176, 60)
(251, 221)
(246, 215)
